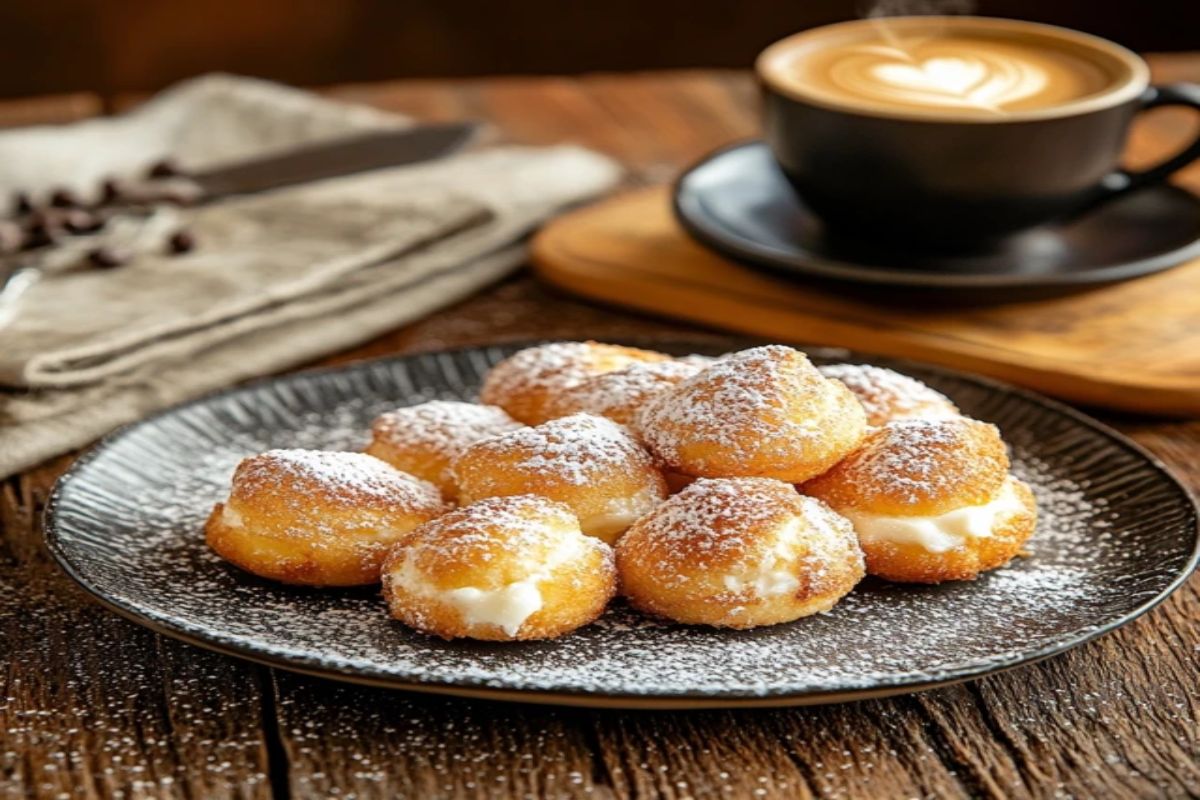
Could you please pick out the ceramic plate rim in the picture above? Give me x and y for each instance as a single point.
(60, 551)
(689, 211)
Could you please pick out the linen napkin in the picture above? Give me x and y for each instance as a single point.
(278, 278)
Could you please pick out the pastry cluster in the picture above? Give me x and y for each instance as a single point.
(748, 490)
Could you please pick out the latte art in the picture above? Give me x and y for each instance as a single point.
(985, 81)
(968, 67)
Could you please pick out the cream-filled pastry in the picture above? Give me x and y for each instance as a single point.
(527, 383)
(502, 569)
(931, 500)
(619, 395)
(738, 553)
(424, 440)
(318, 518)
(765, 412)
(591, 464)
(887, 395)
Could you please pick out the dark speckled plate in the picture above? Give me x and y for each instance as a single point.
(1117, 535)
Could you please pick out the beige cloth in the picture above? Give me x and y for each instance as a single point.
(278, 279)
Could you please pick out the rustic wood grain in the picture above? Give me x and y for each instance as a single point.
(93, 706)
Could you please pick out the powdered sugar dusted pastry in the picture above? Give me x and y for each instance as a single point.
(620, 394)
(589, 463)
(525, 383)
(931, 500)
(764, 412)
(738, 553)
(424, 440)
(887, 395)
(502, 569)
(317, 518)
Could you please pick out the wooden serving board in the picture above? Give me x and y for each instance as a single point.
(1133, 346)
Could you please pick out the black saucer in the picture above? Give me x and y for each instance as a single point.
(739, 203)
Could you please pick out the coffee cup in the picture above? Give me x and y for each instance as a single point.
(952, 132)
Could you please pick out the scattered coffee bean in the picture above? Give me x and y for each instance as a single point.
(79, 221)
(111, 190)
(107, 257)
(181, 241)
(22, 203)
(163, 169)
(64, 198)
(43, 227)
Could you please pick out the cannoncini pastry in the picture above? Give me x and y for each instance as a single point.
(738, 553)
(931, 500)
(620, 395)
(318, 518)
(887, 395)
(590, 464)
(527, 383)
(765, 412)
(502, 569)
(424, 440)
(734, 492)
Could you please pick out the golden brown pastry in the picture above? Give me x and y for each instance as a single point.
(502, 569)
(317, 518)
(424, 440)
(590, 464)
(887, 395)
(738, 553)
(765, 412)
(526, 383)
(931, 500)
(619, 395)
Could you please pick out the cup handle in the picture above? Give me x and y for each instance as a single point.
(1175, 94)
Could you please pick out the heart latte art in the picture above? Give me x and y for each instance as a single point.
(942, 72)
(985, 81)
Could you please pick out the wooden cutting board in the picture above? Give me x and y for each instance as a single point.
(1133, 346)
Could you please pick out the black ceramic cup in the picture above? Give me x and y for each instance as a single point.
(937, 182)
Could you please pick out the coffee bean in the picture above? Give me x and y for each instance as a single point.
(79, 221)
(64, 198)
(165, 168)
(22, 204)
(43, 227)
(111, 190)
(181, 241)
(108, 257)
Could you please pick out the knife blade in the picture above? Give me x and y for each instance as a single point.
(345, 156)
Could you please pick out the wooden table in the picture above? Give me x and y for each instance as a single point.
(94, 706)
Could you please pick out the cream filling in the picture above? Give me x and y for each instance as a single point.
(775, 573)
(938, 534)
(619, 515)
(507, 606)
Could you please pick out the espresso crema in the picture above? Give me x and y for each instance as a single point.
(942, 67)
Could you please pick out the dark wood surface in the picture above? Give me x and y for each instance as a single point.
(93, 706)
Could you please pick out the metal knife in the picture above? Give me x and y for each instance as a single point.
(361, 153)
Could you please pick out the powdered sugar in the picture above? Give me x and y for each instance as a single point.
(576, 450)
(886, 394)
(766, 400)
(349, 477)
(619, 395)
(128, 521)
(445, 425)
